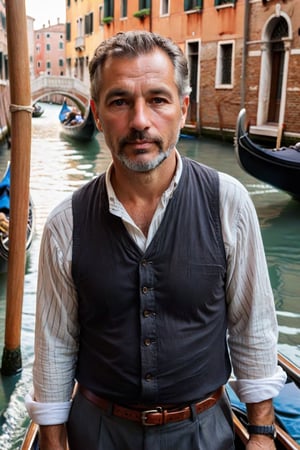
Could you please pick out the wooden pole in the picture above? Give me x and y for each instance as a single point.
(279, 135)
(20, 95)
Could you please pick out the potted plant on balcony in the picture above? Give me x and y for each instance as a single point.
(107, 20)
(142, 13)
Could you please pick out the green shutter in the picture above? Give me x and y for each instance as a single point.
(108, 8)
(187, 5)
(68, 31)
(143, 4)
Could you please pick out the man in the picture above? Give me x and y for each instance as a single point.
(145, 275)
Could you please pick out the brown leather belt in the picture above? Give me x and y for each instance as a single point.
(154, 416)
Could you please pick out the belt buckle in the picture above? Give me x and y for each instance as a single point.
(145, 413)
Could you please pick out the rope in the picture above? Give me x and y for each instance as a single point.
(17, 108)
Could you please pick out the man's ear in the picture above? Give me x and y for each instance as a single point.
(184, 109)
(95, 114)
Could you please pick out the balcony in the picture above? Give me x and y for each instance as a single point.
(79, 43)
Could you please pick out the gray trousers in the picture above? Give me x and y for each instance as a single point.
(90, 428)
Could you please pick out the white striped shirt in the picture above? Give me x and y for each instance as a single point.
(252, 325)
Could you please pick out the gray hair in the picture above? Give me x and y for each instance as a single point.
(135, 43)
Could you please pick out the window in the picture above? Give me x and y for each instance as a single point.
(61, 45)
(68, 3)
(61, 62)
(48, 36)
(89, 23)
(38, 48)
(48, 65)
(3, 21)
(164, 7)
(68, 31)
(192, 4)
(108, 8)
(123, 8)
(224, 76)
(224, 2)
(79, 27)
(144, 4)
(48, 47)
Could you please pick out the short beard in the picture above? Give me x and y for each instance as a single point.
(148, 165)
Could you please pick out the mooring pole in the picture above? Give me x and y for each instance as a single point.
(21, 112)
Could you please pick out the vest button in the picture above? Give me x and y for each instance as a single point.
(149, 377)
(147, 342)
(145, 290)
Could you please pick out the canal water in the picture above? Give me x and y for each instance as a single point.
(59, 166)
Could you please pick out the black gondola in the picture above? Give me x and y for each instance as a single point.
(84, 130)
(5, 209)
(279, 167)
(37, 110)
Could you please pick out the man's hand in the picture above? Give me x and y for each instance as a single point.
(53, 437)
(4, 223)
(261, 413)
(260, 442)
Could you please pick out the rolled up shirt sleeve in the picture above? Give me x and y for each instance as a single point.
(57, 328)
(252, 322)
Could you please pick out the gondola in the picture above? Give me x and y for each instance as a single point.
(5, 209)
(287, 418)
(37, 110)
(279, 167)
(83, 131)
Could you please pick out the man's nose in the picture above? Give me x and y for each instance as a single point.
(140, 115)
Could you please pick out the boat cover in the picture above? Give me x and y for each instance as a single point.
(4, 191)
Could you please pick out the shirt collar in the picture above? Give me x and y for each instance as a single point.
(114, 204)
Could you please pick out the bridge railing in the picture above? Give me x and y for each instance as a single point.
(64, 84)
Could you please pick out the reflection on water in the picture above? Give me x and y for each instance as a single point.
(58, 166)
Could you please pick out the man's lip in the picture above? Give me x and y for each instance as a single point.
(140, 141)
(140, 144)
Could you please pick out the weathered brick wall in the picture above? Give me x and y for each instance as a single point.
(219, 107)
(260, 15)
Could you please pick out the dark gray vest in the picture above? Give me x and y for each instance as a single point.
(153, 324)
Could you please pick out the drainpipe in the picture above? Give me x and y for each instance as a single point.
(150, 18)
(244, 54)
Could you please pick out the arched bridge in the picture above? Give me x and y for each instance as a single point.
(67, 86)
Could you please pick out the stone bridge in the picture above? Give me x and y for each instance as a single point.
(69, 87)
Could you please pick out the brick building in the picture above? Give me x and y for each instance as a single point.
(272, 63)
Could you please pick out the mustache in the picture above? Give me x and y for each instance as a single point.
(136, 135)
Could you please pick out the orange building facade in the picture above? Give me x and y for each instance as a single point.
(232, 46)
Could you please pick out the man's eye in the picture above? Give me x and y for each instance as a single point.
(158, 100)
(118, 102)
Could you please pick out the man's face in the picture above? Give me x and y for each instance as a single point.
(139, 110)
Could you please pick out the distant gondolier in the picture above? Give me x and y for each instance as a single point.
(153, 283)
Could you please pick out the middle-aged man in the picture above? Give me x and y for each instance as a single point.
(147, 275)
